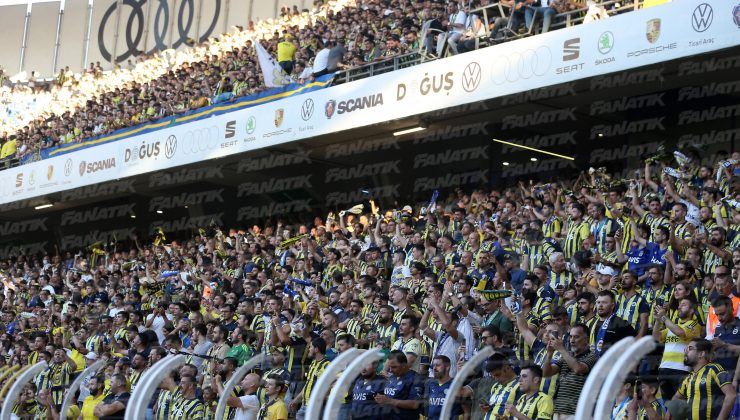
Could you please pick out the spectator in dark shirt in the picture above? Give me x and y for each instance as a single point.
(113, 406)
(726, 341)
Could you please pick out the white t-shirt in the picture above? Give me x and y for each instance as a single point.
(251, 408)
(458, 18)
(158, 325)
(445, 345)
(321, 60)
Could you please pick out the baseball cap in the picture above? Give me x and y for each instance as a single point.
(91, 355)
(606, 270)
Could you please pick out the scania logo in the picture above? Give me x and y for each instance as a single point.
(702, 17)
(170, 146)
(68, 167)
(471, 77)
(307, 109)
(329, 108)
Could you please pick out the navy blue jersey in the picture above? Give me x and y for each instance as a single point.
(408, 387)
(363, 398)
(436, 395)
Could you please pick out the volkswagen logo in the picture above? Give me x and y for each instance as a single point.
(68, 167)
(702, 17)
(522, 65)
(200, 140)
(471, 77)
(307, 109)
(170, 146)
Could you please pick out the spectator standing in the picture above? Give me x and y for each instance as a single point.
(723, 287)
(274, 408)
(317, 351)
(676, 337)
(726, 341)
(285, 53)
(336, 56)
(609, 328)
(573, 369)
(708, 388)
(533, 404)
(95, 386)
(321, 61)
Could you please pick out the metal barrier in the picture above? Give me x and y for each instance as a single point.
(627, 361)
(378, 67)
(460, 378)
(137, 405)
(18, 381)
(342, 386)
(69, 396)
(318, 392)
(235, 378)
(597, 376)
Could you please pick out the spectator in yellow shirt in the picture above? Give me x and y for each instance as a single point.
(96, 385)
(285, 52)
(9, 148)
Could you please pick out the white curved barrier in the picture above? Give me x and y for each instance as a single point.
(69, 396)
(459, 379)
(624, 365)
(348, 377)
(17, 387)
(234, 380)
(322, 386)
(136, 408)
(597, 376)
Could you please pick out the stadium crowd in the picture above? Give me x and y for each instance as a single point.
(332, 36)
(575, 266)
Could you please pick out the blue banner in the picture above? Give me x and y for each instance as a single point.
(221, 107)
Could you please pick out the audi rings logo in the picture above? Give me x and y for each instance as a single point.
(522, 65)
(200, 140)
(170, 146)
(307, 109)
(68, 167)
(133, 21)
(471, 77)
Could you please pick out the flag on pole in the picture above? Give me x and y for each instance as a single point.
(271, 70)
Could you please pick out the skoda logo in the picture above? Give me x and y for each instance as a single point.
(702, 17)
(606, 42)
(307, 109)
(251, 124)
(68, 167)
(170, 146)
(471, 77)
